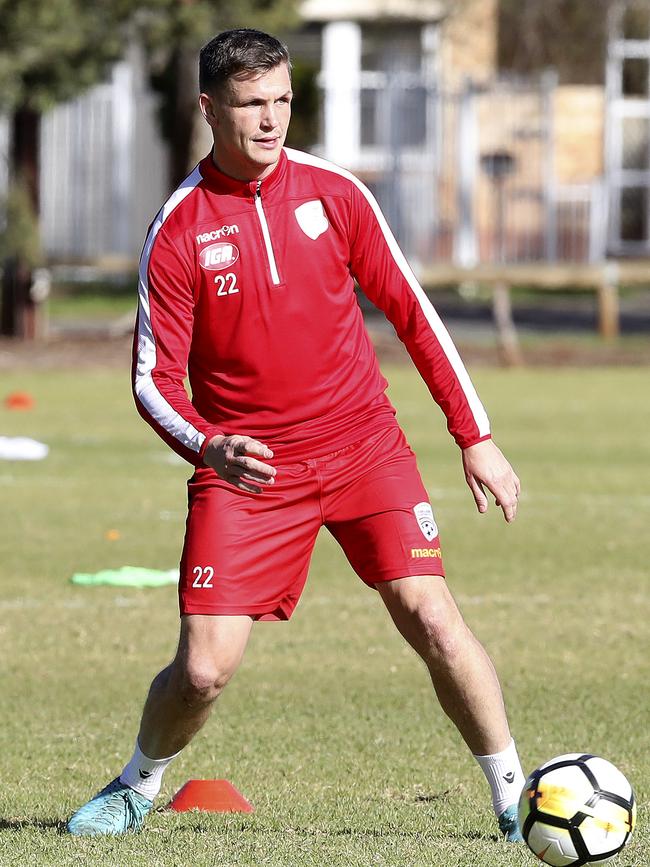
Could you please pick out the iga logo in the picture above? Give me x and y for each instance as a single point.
(216, 257)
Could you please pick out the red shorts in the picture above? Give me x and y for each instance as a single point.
(249, 553)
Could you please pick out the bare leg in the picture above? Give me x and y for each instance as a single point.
(181, 696)
(463, 676)
(178, 704)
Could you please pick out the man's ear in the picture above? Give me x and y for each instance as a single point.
(207, 109)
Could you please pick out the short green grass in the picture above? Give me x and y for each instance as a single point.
(93, 302)
(330, 727)
(91, 309)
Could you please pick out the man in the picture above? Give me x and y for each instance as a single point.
(247, 281)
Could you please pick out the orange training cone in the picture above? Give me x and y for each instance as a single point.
(214, 796)
(19, 400)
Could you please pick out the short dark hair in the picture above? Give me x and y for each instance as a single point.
(239, 51)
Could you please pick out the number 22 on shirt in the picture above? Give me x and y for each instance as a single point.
(226, 284)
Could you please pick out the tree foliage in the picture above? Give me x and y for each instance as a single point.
(50, 51)
(172, 32)
(165, 23)
(569, 35)
(19, 237)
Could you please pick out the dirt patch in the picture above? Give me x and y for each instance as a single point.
(66, 353)
(546, 352)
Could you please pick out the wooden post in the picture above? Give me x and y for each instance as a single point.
(507, 338)
(609, 320)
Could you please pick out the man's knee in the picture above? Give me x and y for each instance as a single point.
(209, 652)
(202, 681)
(443, 633)
(434, 625)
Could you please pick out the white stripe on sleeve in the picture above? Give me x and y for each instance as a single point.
(145, 388)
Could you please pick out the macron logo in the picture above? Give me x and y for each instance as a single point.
(417, 553)
(215, 234)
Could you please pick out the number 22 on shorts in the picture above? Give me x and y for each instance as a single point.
(203, 576)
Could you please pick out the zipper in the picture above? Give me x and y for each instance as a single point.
(266, 235)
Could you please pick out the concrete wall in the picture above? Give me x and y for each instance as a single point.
(372, 10)
(469, 41)
(579, 121)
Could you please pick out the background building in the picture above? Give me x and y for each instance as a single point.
(470, 166)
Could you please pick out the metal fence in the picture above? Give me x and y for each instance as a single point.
(103, 169)
(465, 177)
(469, 177)
(628, 128)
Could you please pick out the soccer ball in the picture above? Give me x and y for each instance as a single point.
(576, 809)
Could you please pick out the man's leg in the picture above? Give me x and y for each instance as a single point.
(464, 679)
(209, 651)
(181, 696)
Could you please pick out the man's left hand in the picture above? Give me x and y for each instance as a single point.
(486, 467)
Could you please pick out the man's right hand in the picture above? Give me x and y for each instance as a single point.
(234, 459)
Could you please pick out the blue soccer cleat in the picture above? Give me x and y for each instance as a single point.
(509, 825)
(115, 810)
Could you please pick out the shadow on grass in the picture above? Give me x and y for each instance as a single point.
(41, 824)
(427, 799)
(476, 835)
(61, 828)
(361, 833)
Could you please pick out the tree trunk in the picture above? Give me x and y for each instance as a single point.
(17, 317)
(25, 152)
(183, 98)
(17, 314)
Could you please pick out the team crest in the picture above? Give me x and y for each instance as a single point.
(311, 218)
(424, 514)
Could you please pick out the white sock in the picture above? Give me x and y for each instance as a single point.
(144, 774)
(505, 776)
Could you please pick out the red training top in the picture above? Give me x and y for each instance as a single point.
(249, 288)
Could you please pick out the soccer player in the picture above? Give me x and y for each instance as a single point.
(247, 283)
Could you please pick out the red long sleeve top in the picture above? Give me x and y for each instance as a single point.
(249, 289)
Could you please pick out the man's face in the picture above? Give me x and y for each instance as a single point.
(249, 118)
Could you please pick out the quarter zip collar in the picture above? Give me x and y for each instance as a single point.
(221, 183)
(266, 234)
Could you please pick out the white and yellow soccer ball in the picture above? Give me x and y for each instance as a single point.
(577, 809)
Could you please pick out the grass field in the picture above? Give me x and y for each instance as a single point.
(330, 727)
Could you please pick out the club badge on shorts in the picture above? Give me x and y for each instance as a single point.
(424, 514)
